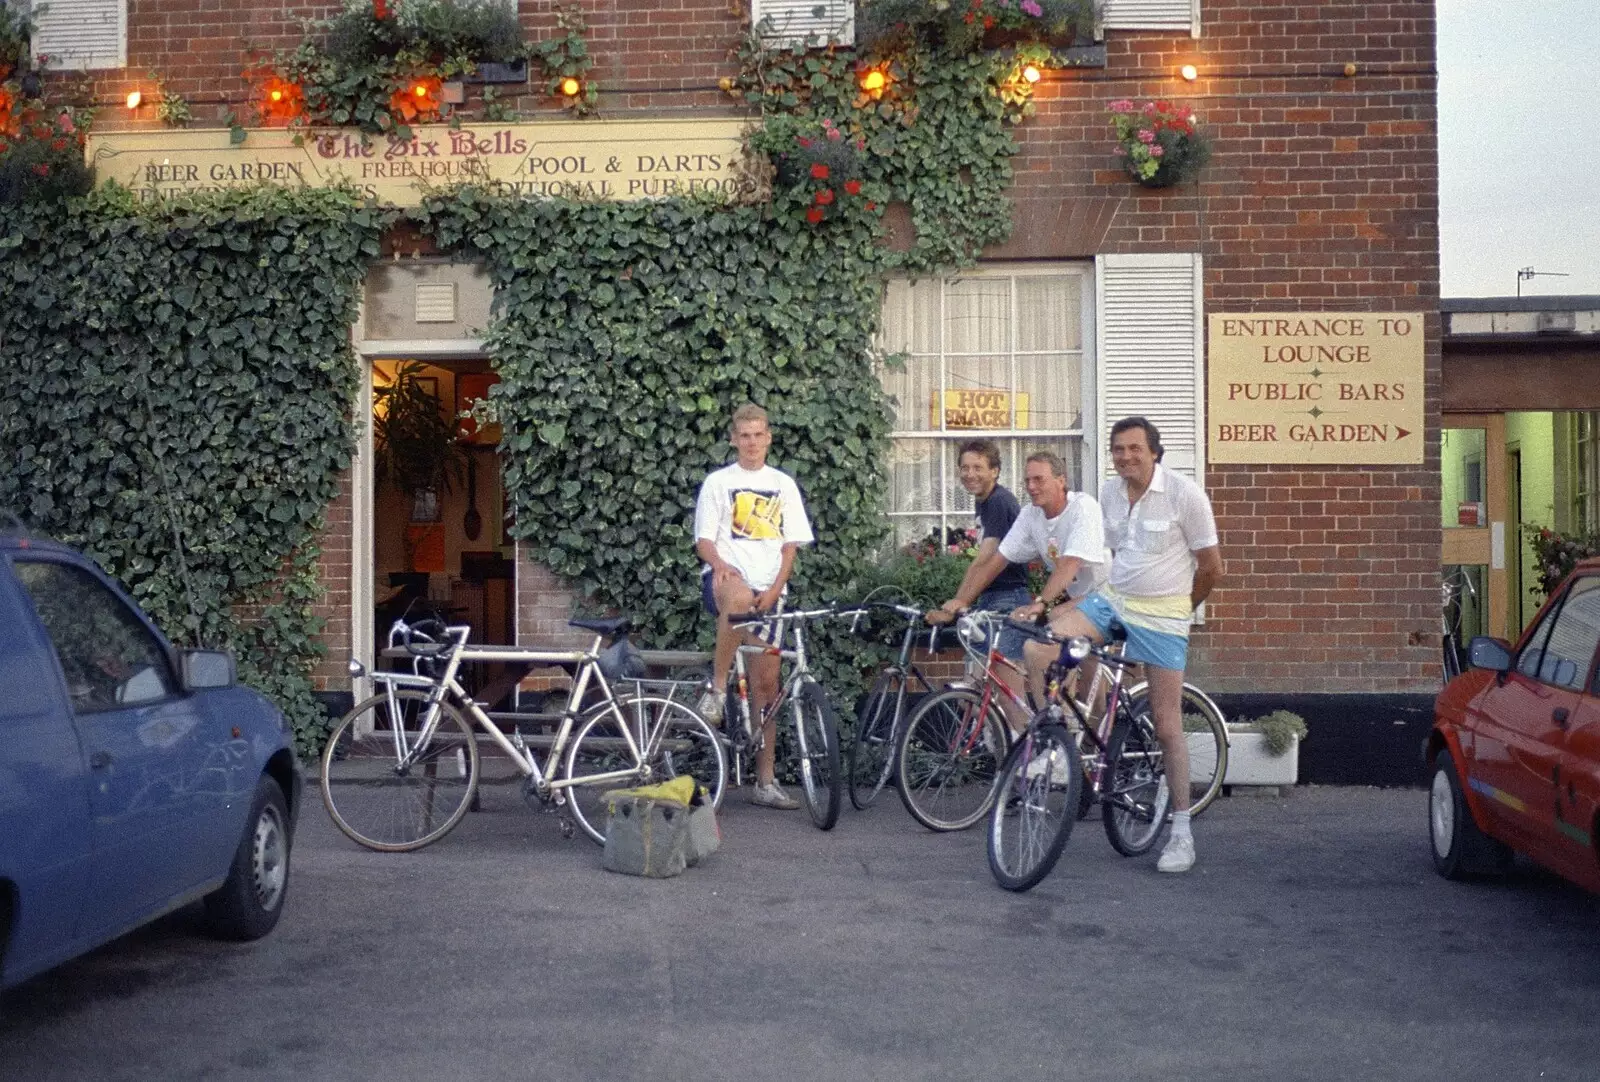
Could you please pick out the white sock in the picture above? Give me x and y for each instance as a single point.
(1180, 824)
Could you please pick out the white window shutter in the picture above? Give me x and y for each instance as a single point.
(82, 34)
(1149, 323)
(791, 22)
(1151, 15)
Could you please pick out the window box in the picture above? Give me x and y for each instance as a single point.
(496, 72)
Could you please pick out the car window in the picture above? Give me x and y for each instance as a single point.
(108, 656)
(1567, 651)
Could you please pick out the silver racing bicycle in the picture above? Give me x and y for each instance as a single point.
(401, 769)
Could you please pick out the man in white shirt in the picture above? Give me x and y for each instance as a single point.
(1062, 529)
(1165, 561)
(749, 522)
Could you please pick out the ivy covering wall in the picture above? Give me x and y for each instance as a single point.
(182, 372)
(181, 377)
(626, 334)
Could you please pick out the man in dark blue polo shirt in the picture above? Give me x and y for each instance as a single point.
(996, 509)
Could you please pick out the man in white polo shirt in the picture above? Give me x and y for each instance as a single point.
(1164, 563)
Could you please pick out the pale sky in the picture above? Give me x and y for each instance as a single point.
(1519, 146)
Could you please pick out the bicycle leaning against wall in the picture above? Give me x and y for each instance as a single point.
(882, 717)
(401, 768)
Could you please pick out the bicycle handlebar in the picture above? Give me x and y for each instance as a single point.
(1075, 648)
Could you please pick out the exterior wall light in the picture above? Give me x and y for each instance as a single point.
(1032, 74)
(134, 98)
(873, 80)
(570, 87)
(1189, 72)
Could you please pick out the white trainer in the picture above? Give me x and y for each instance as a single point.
(1178, 856)
(771, 795)
(710, 706)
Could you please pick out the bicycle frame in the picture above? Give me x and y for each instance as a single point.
(445, 686)
(786, 623)
(1111, 670)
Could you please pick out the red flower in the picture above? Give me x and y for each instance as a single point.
(58, 145)
(872, 206)
(380, 10)
(824, 197)
(819, 171)
(42, 169)
(852, 187)
(814, 215)
(803, 141)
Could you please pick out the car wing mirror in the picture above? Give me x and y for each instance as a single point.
(1489, 653)
(207, 669)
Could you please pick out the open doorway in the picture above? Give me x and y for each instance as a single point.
(440, 544)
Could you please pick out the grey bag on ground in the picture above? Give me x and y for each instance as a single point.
(645, 837)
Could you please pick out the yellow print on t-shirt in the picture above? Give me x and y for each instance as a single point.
(757, 516)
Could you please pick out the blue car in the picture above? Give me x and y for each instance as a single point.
(135, 778)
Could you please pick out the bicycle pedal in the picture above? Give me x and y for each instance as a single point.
(566, 827)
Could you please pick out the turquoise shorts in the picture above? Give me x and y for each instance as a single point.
(1158, 648)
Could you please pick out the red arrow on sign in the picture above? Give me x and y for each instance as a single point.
(1401, 433)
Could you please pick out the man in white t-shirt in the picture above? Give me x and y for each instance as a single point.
(1061, 529)
(1064, 530)
(749, 522)
(1165, 561)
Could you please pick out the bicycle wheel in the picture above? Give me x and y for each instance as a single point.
(872, 751)
(1134, 799)
(1036, 806)
(817, 738)
(1206, 731)
(673, 739)
(381, 806)
(949, 757)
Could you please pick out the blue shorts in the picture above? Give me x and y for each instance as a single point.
(1006, 599)
(1159, 648)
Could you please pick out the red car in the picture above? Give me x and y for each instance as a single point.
(1515, 747)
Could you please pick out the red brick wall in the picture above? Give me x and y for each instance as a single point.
(334, 573)
(1322, 195)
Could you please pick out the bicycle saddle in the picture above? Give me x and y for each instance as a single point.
(610, 627)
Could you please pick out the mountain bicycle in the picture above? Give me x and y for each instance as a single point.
(816, 723)
(881, 719)
(1040, 791)
(951, 749)
(401, 769)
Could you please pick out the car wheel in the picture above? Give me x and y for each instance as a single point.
(247, 905)
(1460, 849)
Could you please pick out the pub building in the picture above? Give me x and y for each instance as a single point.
(1278, 316)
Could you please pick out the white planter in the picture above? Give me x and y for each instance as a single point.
(1249, 763)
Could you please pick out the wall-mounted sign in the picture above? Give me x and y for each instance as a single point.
(1328, 387)
(604, 159)
(978, 408)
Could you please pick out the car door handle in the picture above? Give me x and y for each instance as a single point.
(100, 760)
(1559, 716)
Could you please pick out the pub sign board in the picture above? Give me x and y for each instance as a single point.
(589, 159)
(1315, 387)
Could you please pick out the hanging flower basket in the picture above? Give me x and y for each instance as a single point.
(1160, 143)
(963, 26)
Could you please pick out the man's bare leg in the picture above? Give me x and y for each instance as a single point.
(1166, 702)
(764, 690)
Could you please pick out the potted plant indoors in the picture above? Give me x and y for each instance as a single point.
(416, 445)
